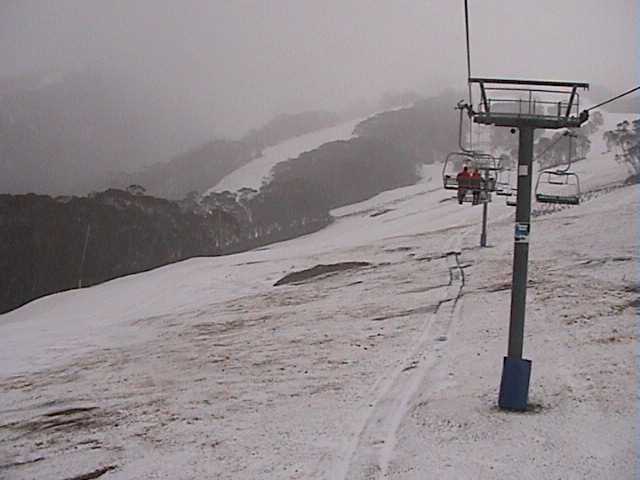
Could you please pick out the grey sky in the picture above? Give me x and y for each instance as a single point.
(238, 62)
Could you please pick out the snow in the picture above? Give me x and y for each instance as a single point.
(258, 171)
(253, 174)
(204, 369)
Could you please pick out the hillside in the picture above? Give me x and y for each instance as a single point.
(418, 133)
(385, 364)
(78, 132)
(52, 244)
(200, 168)
(257, 172)
(45, 240)
(74, 133)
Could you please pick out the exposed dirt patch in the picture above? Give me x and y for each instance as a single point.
(381, 212)
(95, 474)
(20, 464)
(615, 339)
(69, 411)
(319, 270)
(67, 420)
(498, 287)
(399, 249)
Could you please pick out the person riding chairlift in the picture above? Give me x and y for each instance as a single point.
(476, 183)
(463, 183)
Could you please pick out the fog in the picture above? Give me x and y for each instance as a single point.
(233, 64)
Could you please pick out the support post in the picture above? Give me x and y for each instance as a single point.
(514, 387)
(485, 208)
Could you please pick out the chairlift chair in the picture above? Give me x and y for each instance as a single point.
(472, 186)
(558, 186)
(484, 197)
(503, 183)
(451, 168)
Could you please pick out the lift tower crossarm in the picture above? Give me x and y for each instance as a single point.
(516, 110)
(539, 83)
(573, 96)
(483, 94)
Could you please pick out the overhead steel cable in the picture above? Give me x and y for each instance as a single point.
(566, 133)
(470, 110)
(613, 98)
(466, 25)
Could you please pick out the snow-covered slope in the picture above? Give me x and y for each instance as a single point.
(204, 369)
(255, 172)
(258, 171)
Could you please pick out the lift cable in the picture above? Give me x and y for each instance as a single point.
(566, 133)
(613, 98)
(466, 25)
(470, 109)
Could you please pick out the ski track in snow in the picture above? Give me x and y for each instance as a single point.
(371, 448)
(371, 445)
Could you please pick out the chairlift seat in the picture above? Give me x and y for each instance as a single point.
(560, 199)
(450, 183)
(550, 177)
(556, 182)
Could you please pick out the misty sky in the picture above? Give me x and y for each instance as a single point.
(236, 63)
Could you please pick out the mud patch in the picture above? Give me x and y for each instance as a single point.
(319, 270)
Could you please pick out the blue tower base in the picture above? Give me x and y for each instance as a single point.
(514, 387)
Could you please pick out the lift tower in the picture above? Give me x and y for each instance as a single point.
(524, 105)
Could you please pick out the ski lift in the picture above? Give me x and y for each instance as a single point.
(474, 190)
(558, 186)
(503, 183)
(456, 161)
(490, 166)
(453, 164)
(480, 197)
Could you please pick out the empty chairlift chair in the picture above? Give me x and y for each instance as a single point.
(503, 183)
(558, 186)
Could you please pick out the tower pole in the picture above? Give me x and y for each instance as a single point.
(514, 387)
(485, 211)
